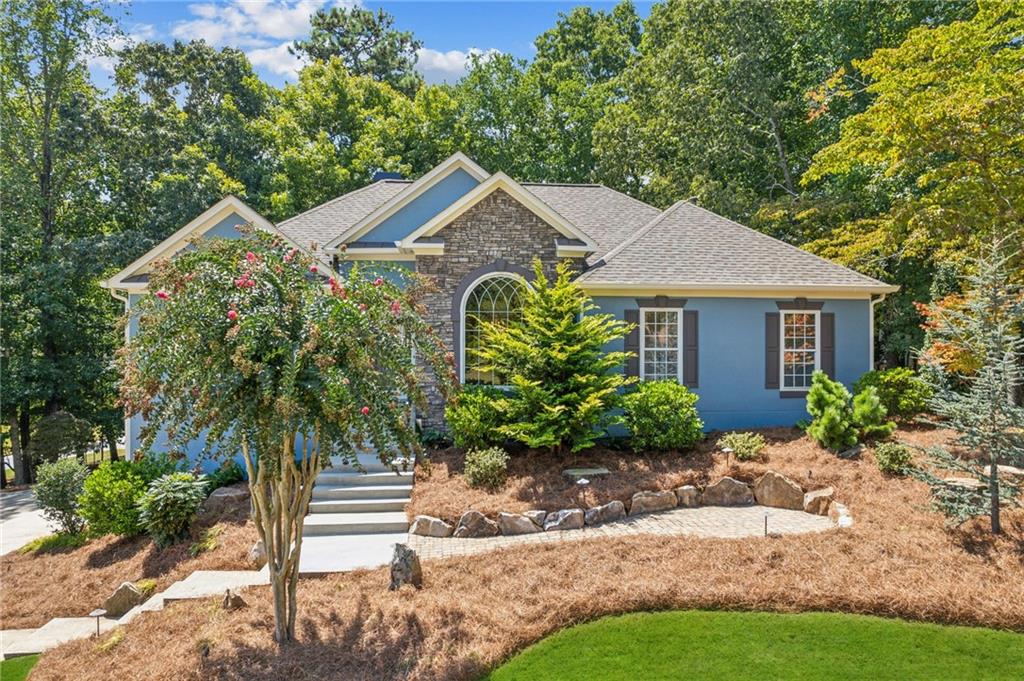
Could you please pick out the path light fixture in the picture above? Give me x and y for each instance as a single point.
(728, 456)
(98, 613)
(766, 523)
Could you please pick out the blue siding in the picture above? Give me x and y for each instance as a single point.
(422, 208)
(731, 357)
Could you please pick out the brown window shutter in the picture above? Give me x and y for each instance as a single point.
(633, 342)
(771, 350)
(690, 348)
(828, 344)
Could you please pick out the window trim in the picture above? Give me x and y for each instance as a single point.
(462, 314)
(782, 348)
(679, 340)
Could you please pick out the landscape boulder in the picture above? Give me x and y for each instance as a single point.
(124, 598)
(776, 490)
(613, 510)
(537, 516)
(566, 519)
(687, 496)
(474, 524)
(428, 526)
(232, 601)
(405, 568)
(513, 523)
(647, 502)
(727, 492)
(223, 497)
(840, 515)
(258, 554)
(818, 501)
(577, 474)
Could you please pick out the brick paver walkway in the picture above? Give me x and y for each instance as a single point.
(733, 522)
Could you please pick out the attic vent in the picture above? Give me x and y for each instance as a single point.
(386, 175)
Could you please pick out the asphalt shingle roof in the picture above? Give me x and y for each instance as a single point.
(605, 215)
(323, 223)
(688, 245)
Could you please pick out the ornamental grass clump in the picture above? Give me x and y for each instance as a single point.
(260, 349)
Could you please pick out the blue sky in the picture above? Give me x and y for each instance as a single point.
(263, 29)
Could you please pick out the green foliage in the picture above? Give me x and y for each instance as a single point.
(58, 486)
(564, 383)
(839, 422)
(169, 506)
(60, 434)
(869, 415)
(55, 543)
(892, 457)
(146, 586)
(662, 415)
(109, 499)
(434, 438)
(983, 405)
(207, 541)
(486, 468)
(744, 446)
(828, 403)
(366, 43)
(228, 474)
(474, 419)
(899, 390)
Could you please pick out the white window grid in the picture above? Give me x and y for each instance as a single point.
(800, 344)
(494, 298)
(661, 344)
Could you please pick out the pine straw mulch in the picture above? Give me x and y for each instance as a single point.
(70, 583)
(535, 479)
(899, 560)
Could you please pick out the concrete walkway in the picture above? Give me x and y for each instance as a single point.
(733, 522)
(200, 584)
(21, 521)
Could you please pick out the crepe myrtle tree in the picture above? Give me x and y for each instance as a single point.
(247, 342)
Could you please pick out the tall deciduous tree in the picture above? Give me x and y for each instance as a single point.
(242, 341)
(367, 44)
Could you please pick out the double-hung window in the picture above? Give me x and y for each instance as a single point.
(801, 349)
(661, 338)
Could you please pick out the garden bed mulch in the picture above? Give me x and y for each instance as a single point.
(70, 583)
(535, 479)
(899, 560)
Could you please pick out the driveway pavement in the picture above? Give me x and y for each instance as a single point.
(21, 521)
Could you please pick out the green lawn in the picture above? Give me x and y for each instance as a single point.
(17, 668)
(743, 645)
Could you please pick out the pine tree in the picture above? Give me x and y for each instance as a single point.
(979, 405)
(563, 382)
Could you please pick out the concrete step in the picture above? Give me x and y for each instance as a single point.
(355, 523)
(371, 505)
(322, 491)
(367, 479)
(341, 553)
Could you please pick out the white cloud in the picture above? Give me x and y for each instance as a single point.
(276, 60)
(248, 23)
(437, 67)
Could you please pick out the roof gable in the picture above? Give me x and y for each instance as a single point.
(453, 177)
(581, 241)
(219, 220)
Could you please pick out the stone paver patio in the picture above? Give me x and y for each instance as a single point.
(733, 522)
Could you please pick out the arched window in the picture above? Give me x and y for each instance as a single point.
(497, 299)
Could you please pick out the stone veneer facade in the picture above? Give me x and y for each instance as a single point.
(497, 234)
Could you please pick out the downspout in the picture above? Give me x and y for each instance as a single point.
(871, 328)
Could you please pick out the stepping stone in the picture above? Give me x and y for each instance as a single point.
(576, 474)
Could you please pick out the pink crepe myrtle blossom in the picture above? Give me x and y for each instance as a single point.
(291, 255)
(162, 294)
(250, 256)
(396, 306)
(362, 307)
(232, 315)
(378, 281)
(313, 269)
(365, 411)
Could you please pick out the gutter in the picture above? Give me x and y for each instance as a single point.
(871, 327)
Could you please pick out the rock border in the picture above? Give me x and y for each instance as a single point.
(771, 489)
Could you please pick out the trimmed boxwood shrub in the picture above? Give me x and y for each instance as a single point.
(486, 467)
(58, 485)
(892, 457)
(474, 419)
(900, 390)
(662, 415)
(169, 506)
